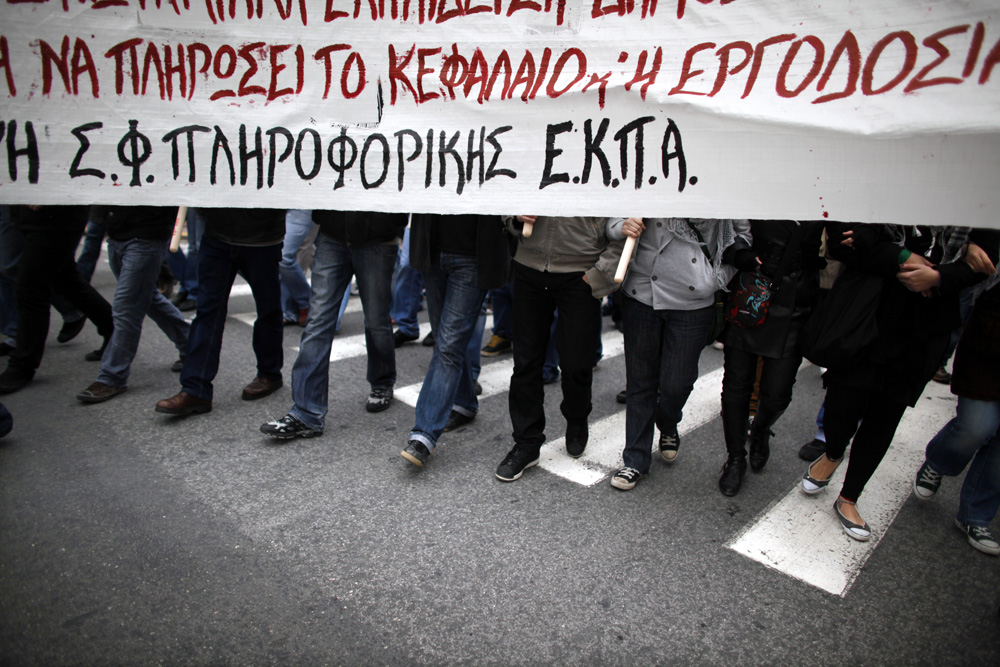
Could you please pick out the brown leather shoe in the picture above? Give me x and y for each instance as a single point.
(260, 387)
(98, 392)
(184, 404)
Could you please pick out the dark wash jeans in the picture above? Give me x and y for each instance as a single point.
(217, 267)
(333, 266)
(453, 303)
(662, 348)
(536, 296)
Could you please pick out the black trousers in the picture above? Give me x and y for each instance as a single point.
(46, 268)
(879, 413)
(776, 381)
(537, 294)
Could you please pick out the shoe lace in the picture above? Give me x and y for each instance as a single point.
(288, 421)
(980, 533)
(514, 456)
(668, 441)
(379, 392)
(628, 473)
(929, 476)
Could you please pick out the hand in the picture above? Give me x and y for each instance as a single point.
(978, 260)
(915, 261)
(847, 238)
(530, 219)
(919, 278)
(633, 227)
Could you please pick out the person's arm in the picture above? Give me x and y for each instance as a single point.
(601, 276)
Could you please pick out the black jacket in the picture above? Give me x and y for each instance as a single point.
(360, 228)
(123, 223)
(793, 298)
(69, 219)
(913, 330)
(492, 247)
(245, 226)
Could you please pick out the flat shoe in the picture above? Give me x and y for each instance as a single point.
(859, 531)
(811, 485)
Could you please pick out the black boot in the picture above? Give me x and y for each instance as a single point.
(760, 449)
(732, 475)
(760, 436)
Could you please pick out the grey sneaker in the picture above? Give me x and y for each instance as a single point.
(626, 478)
(927, 482)
(980, 538)
(416, 453)
(289, 427)
(669, 443)
(379, 399)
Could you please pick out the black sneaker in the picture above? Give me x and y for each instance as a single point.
(812, 450)
(429, 340)
(980, 538)
(379, 399)
(416, 453)
(95, 355)
(516, 462)
(178, 365)
(14, 379)
(669, 444)
(927, 482)
(289, 427)
(626, 478)
(457, 420)
(576, 439)
(70, 330)
(399, 338)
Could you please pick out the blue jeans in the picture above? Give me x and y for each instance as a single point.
(93, 237)
(662, 348)
(294, 286)
(136, 265)
(217, 267)
(407, 290)
(453, 303)
(974, 434)
(185, 267)
(474, 351)
(503, 310)
(333, 266)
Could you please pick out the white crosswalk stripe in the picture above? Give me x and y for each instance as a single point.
(801, 536)
(798, 535)
(495, 376)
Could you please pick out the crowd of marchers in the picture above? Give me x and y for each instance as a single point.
(883, 308)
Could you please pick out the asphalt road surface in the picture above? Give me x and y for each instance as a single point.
(130, 537)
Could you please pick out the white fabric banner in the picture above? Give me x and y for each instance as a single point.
(846, 110)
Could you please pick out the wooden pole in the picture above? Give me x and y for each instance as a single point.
(626, 257)
(175, 240)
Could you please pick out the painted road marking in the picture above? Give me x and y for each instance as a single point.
(603, 455)
(353, 306)
(800, 535)
(495, 376)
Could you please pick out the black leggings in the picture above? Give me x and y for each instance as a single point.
(879, 414)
